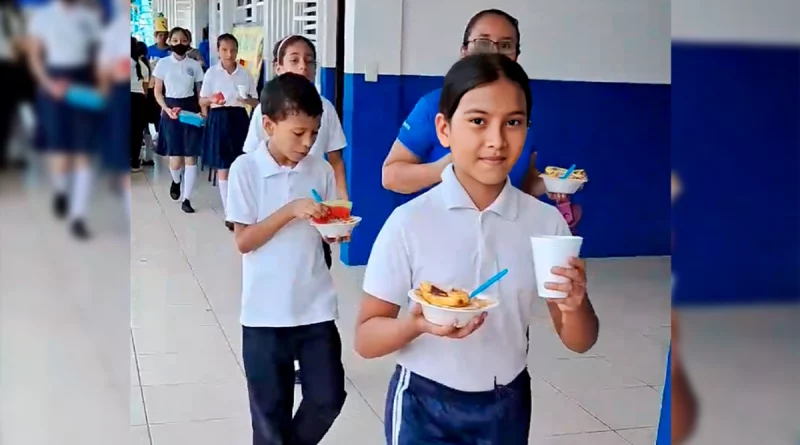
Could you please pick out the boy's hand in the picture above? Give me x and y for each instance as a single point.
(424, 326)
(307, 208)
(575, 287)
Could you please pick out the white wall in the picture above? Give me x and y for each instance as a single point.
(737, 21)
(599, 41)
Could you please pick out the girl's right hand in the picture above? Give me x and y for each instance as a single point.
(424, 326)
(171, 113)
(56, 88)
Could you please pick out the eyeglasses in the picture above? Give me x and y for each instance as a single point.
(484, 45)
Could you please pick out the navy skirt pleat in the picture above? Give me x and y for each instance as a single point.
(223, 136)
(62, 128)
(176, 138)
(115, 146)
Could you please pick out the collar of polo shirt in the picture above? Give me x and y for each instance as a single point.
(455, 197)
(269, 167)
(222, 68)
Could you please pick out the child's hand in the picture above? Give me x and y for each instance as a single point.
(424, 326)
(575, 287)
(307, 208)
(557, 197)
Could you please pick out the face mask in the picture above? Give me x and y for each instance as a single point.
(179, 49)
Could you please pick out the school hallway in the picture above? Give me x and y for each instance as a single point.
(187, 382)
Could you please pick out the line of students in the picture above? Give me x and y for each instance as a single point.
(452, 385)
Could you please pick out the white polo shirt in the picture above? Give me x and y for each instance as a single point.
(67, 33)
(179, 76)
(217, 80)
(330, 137)
(285, 282)
(441, 237)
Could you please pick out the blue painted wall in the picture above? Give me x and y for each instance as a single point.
(610, 129)
(327, 83)
(736, 108)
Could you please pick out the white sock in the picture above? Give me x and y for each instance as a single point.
(176, 175)
(190, 175)
(146, 154)
(296, 365)
(81, 190)
(223, 193)
(60, 182)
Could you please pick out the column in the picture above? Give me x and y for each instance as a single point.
(227, 9)
(372, 113)
(326, 47)
(213, 30)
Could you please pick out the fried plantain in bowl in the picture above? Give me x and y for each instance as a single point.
(454, 298)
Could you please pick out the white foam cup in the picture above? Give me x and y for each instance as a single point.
(550, 252)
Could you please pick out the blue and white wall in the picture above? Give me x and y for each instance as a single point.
(600, 73)
(736, 113)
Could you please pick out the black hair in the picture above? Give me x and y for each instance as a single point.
(205, 33)
(141, 54)
(135, 56)
(476, 70)
(282, 45)
(176, 30)
(475, 18)
(227, 38)
(289, 94)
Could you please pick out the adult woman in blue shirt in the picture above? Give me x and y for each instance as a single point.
(417, 159)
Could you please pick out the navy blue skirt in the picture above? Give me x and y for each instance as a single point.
(115, 148)
(62, 128)
(176, 138)
(223, 136)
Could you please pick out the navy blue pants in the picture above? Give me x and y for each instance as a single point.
(269, 355)
(420, 411)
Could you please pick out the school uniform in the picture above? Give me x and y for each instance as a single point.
(474, 390)
(138, 109)
(115, 51)
(329, 139)
(226, 125)
(154, 54)
(67, 34)
(289, 304)
(418, 135)
(180, 78)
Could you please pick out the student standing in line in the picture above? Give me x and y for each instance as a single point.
(156, 52)
(193, 53)
(289, 303)
(470, 384)
(180, 76)
(62, 35)
(204, 49)
(146, 111)
(139, 80)
(227, 120)
(417, 159)
(115, 62)
(297, 54)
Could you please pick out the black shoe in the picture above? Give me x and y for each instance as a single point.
(175, 191)
(79, 230)
(149, 163)
(61, 205)
(186, 206)
(229, 225)
(297, 377)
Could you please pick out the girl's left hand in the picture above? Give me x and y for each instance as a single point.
(344, 239)
(575, 287)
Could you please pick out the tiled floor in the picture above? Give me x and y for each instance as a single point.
(187, 384)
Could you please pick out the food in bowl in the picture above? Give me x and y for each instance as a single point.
(558, 172)
(338, 213)
(453, 298)
(448, 305)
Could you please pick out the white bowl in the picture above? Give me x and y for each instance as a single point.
(563, 186)
(445, 316)
(337, 230)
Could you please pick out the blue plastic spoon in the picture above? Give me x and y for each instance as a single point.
(488, 283)
(568, 172)
(316, 196)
